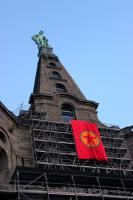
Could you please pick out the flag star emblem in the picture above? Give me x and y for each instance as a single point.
(90, 139)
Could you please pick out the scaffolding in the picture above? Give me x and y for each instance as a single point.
(59, 174)
(39, 185)
(54, 146)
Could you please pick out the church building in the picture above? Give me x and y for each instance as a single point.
(58, 149)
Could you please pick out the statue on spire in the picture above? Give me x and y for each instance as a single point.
(40, 40)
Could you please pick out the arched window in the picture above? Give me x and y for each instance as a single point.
(3, 159)
(2, 137)
(52, 64)
(60, 88)
(56, 75)
(67, 112)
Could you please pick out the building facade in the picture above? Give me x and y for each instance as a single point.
(38, 159)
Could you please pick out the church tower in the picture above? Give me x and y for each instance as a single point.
(45, 164)
(56, 94)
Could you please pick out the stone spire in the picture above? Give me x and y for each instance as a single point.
(54, 85)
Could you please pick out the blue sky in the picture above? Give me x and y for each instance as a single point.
(93, 39)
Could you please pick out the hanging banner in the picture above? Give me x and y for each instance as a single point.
(88, 141)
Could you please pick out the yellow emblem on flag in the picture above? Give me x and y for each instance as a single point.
(90, 139)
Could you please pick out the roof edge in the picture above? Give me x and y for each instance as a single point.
(8, 112)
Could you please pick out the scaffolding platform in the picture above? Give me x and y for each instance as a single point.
(54, 184)
(58, 174)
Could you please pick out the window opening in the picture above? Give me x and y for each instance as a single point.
(2, 137)
(68, 112)
(56, 75)
(51, 64)
(60, 88)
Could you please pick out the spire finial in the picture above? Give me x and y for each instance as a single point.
(40, 40)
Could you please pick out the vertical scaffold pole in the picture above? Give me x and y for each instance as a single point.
(17, 185)
(47, 185)
(74, 187)
(100, 188)
(124, 187)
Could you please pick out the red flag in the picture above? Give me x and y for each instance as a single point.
(88, 141)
